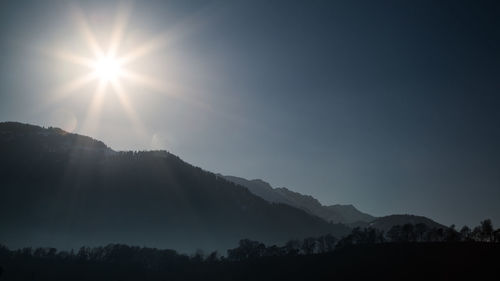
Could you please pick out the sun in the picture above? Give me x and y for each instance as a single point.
(107, 69)
(110, 62)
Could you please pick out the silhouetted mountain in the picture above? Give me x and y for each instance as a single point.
(347, 214)
(385, 223)
(260, 188)
(67, 190)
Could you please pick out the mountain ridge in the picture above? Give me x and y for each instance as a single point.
(337, 213)
(75, 190)
(340, 213)
(66, 190)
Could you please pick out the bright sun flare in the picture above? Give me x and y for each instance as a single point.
(107, 69)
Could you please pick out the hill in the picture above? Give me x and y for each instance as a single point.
(67, 190)
(346, 214)
(385, 223)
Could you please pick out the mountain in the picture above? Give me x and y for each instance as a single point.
(346, 214)
(66, 190)
(385, 223)
(261, 189)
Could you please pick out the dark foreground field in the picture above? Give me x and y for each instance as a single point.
(409, 261)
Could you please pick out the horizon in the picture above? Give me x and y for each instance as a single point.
(392, 108)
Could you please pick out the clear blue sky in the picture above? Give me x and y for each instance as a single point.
(393, 106)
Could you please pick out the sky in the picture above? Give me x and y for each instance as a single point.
(392, 106)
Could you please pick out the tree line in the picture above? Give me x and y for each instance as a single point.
(130, 262)
(248, 249)
(407, 233)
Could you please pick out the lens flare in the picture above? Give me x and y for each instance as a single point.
(107, 69)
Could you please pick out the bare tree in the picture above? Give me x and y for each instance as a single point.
(308, 246)
(486, 230)
(420, 230)
(496, 236)
(465, 233)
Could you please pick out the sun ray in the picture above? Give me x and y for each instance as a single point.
(143, 50)
(180, 30)
(73, 85)
(148, 81)
(127, 106)
(169, 89)
(75, 59)
(121, 22)
(88, 34)
(94, 110)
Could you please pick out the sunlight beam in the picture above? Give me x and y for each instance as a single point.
(74, 85)
(127, 106)
(66, 56)
(168, 89)
(143, 50)
(91, 121)
(121, 22)
(87, 33)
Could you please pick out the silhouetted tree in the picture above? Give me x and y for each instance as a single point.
(434, 235)
(247, 249)
(476, 234)
(465, 233)
(212, 257)
(366, 236)
(394, 234)
(39, 252)
(407, 233)
(198, 256)
(420, 230)
(345, 242)
(357, 236)
(274, 250)
(496, 236)
(326, 243)
(292, 247)
(372, 236)
(486, 230)
(308, 246)
(451, 235)
(330, 241)
(83, 253)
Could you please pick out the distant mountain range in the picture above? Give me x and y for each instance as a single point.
(346, 214)
(66, 190)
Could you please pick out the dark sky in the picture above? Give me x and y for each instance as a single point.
(392, 106)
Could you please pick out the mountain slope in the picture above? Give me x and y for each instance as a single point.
(66, 190)
(261, 189)
(385, 223)
(347, 214)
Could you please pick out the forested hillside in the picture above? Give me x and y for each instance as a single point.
(66, 190)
